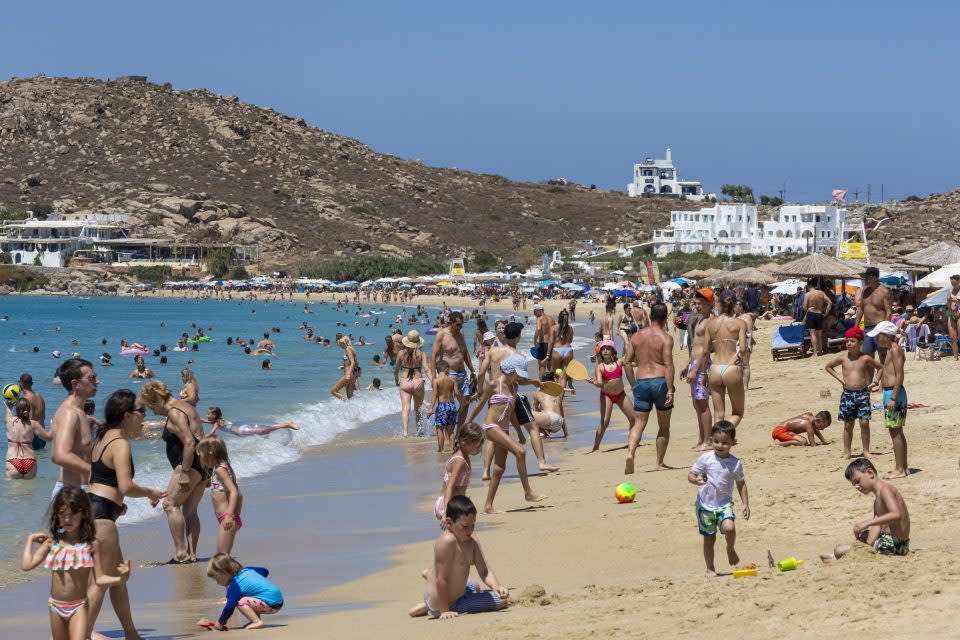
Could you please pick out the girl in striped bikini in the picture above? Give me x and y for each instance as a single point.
(70, 551)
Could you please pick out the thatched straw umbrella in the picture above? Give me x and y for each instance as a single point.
(694, 274)
(769, 267)
(749, 276)
(935, 256)
(709, 272)
(822, 265)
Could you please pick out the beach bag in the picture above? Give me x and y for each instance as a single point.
(927, 351)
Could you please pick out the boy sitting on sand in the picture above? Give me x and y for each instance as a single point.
(857, 369)
(790, 432)
(450, 591)
(888, 531)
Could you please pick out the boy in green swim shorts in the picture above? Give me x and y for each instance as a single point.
(888, 531)
(890, 377)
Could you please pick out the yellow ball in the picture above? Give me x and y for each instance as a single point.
(11, 393)
(625, 492)
(559, 372)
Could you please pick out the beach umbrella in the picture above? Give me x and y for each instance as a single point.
(788, 287)
(748, 275)
(570, 286)
(625, 284)
(681, 281)
(940, 277)
(769, 267)
(669, 285)
(938, 254)
(820, 265)
(625, 292)
(618, 272)
(936, 299)
(695, 274)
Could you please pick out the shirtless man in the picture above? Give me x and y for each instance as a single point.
(38, 407)
(650, 370)
(543, 336)
(873, 306)
(266, 344)
(894, 395)
(888, 531)
(523, 414)
(450, 346)
(816, 306)
(73, 440)
(609, 319)
(699, 387)
(857, 370)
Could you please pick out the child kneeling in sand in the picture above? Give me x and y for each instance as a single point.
(791, 432)
(888, 531)
(716, 472)
(247, 590)
(450, 591)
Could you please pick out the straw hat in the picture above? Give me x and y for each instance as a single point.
(413, 339)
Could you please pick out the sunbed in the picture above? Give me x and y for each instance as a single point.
(789, 341)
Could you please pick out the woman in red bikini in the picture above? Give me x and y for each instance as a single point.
(21, 459)
(609, 378)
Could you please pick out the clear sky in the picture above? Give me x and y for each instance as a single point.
(816, 95)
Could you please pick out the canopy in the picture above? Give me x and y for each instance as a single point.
(625, 292)
(669, 285)
(940, 277)
(788, 287)
(936, 299)
(618, 272)
(936, 255)
(571, 286)
(820, 265)
(682, 281)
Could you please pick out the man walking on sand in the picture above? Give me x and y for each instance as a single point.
(542, 336)
(873, 307)
(650, 370)
(450, 346)
(816, 306)
(894, 394)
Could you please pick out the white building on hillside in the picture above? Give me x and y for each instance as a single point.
(51, 242)
(659, 177)
(804, 228)
(735, 229)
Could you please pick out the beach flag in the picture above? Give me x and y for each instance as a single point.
(840, 195)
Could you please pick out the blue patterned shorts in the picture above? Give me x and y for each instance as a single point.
(854, 405)
(445, 414)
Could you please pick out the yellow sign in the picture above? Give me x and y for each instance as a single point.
(853, 250)
(457, 272)
(457, 268)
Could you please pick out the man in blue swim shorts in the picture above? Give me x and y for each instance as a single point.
(873, 307)
(650, 370)
(894, 395)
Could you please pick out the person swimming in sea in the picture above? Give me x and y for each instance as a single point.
(215, 418)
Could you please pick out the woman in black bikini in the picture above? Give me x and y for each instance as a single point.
(111, 480)
(181, 434)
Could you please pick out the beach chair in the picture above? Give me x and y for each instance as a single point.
(789, 341)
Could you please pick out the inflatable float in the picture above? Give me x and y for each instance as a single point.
(130, 351)
(200, 339)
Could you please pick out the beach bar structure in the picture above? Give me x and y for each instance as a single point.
(52, 242)
(162, 251)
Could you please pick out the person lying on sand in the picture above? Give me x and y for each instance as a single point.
(791, 432)
(888, 531)
(449, 591)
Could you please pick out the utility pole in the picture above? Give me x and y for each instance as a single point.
(782, 191)
(868, 192)
(856, 195)
(881, 193)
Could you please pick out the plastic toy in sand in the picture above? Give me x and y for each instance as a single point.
(625, 493)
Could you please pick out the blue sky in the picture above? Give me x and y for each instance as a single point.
(817, 95)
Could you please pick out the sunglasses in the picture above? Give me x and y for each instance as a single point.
(141, 410)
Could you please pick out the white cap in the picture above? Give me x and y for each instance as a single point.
(489, 335)
(886, 327)
(514, 363)
(538, 307)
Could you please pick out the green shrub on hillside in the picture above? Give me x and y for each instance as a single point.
(157, 273)
(364, 268)
(20, 280)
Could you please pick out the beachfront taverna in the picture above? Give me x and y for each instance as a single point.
(735, 229)
(659, 177)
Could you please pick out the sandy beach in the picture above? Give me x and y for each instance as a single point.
(581, 565)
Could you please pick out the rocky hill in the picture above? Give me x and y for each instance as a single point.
(905, 226)
(205, 167)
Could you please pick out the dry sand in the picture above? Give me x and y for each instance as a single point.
(581, 565)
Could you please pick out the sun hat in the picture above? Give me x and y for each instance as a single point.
(607, 343)
(854, 332)
(489, 335)
(514, 363)
(55, 353)
(538, 307)
(413, 339)
(886, 327)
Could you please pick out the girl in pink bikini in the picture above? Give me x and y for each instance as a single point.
(609, 378)
(224, 493)
(457, 471)
(71, 552)
(408, 374)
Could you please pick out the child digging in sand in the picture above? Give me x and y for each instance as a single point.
(716, 472)
(450, 591)
(858, 369)
(247, 590)
(791, 432)
(888, 531)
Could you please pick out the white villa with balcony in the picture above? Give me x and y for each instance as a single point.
(659, 177)
(735, 229)
(51, 242)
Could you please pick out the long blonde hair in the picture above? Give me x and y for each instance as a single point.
(212, 452)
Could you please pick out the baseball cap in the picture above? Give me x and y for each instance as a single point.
(512, 330)
(538, 307)
(871, 272)
(514, 363)
(489, 335)
(854, 332)
(886, 327)
(707, 294)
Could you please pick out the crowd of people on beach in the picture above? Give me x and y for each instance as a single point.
(476, 386)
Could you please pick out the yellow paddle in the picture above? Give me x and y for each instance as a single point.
(552, 389)
(577, 371)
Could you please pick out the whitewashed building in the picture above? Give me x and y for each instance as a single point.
(659, 177)
(51, 242)
(735, 229)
